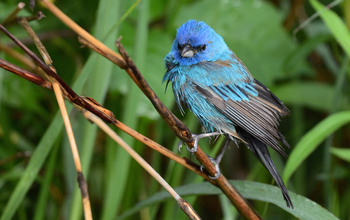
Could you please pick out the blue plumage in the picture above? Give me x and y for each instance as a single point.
(209, 79)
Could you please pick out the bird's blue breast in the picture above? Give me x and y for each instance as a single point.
(226, 78)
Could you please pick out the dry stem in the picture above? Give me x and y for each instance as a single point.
(13, 15)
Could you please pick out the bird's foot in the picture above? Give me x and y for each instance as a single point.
(179, 146)
(216, 164)
(196, 138)
(217, 160)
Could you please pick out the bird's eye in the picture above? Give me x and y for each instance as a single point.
(179, 46)
(203, 47)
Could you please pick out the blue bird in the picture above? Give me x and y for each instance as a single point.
(209, 79)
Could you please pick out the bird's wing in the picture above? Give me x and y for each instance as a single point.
(260, 150)
(251, 107)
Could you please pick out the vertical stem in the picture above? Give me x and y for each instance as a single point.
(81, 180)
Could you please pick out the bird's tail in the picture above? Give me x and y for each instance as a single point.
(259, 149)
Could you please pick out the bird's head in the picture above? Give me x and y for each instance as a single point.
(196, 42)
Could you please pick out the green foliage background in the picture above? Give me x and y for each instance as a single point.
(308, 70)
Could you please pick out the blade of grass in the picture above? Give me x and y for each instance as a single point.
(341, 153)
(41, 205)
(335, 25)
(312, 139)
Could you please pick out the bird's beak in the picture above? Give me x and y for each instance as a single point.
(187, 51)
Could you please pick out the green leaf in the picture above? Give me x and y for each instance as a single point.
(341, 153)
(310, 94)
(303, 207)
(311, 140)
(335, 25)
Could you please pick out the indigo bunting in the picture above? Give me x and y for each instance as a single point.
(209, 79)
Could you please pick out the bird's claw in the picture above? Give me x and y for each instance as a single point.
(179, 146)
(196, 138)
(195, 144)
(217, 173)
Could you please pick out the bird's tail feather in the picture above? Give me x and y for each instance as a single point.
(260, 150)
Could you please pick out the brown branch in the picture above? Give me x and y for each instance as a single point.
(25, 74)
(174, 123)
(38, 16)
(43, 52)
(187, 208)
(11, 19)
(13, 15)
(81, 180)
